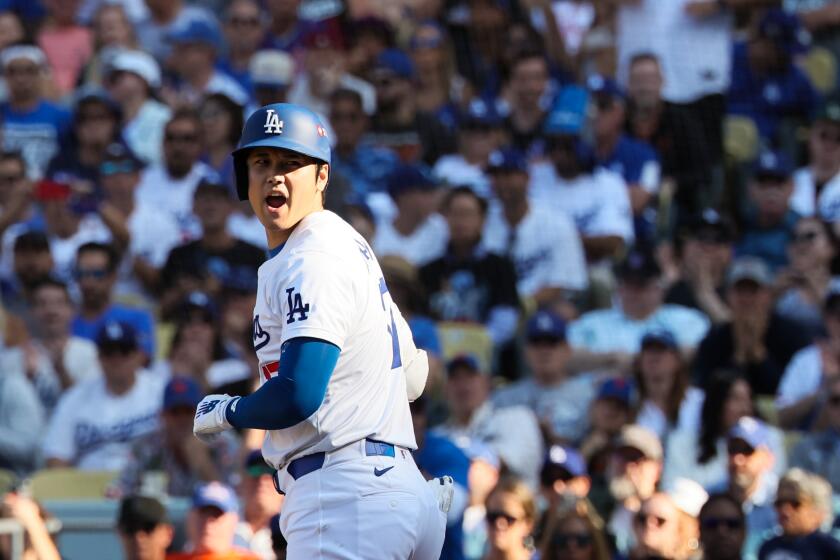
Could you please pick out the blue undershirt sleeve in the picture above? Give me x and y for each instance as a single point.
(306, 365)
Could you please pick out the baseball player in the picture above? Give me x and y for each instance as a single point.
(338, 364)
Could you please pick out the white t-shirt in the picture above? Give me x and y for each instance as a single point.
(804, 199)
(174, 197)
(81, 362)
(653, 418)
(326, 283)
(144, 133)
(598, 203)
(64, 250)
(695, 54)
(546, 249)
(94, 430)
(424, 245)
(455, 170)
(248, 229)
(802, 377)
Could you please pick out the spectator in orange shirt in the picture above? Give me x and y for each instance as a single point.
(211, 526)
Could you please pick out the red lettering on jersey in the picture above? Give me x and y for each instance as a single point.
(270, 369)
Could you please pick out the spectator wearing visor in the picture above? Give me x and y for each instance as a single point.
(545, 247)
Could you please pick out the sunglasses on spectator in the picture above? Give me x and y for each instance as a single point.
(580, 540)
(116, 349)
(828, 137)
(493, 516)
(738, 447)
(9, 179)
(644, 519)
(782, 502)
(95, 273)
(138, 527)
(244, 21)
(630, 455)
(114, 167)
(185, 138)
(715, 523)
(22, 71)
(804, 237)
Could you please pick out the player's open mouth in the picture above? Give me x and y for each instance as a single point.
(275, 201)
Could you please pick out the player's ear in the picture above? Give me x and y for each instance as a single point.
(323, 176)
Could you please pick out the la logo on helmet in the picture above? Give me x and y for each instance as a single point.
(273, 124)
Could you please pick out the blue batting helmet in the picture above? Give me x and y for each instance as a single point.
(280, 125)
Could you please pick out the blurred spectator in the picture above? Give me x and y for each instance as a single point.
(367, 167)
(31, 124)
(144, 528)
(171, 457)
(634, 160)
(18, 214)
(663, 529)
(479, 135)
(145, 234)
(564, 480)
(511, 515)
(222, 122)
(820, 18)
(96, 422)
(211, 526)
(817, 452)
(11, 29)
(278, 541)
(661, 374)
(96, 274)
(559, 398)
(271, 73)
(803, 504)
(757, 341)
(367, 37)
(60, 359)
(674, 132)
(32, 262)
(213, 259)
(473, 417)
(260, 502)
(751, 478)
(22, 422)
(817, 186)
(804, 284)
(639, 309)
(595, 199)
(768, 225)
(113, 32)
(575, 533)
(324, 71)
(244, 26)
(132, 78)
(722, 532)
(527, 86)
(38, 543)
(398, 123)
(286, 28)
(467, 283)
(609, 412)
(633, 472)
(417, 232)
(96, 119)
(483, 477)
(545, 247)
(170, 185)
(67, 45)
(766, 84)
(195, 49)
(704, 250)
(164, 17)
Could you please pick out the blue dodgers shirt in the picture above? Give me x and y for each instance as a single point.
(816, 546)
(139, 319)
(36, 133)
(635, 161)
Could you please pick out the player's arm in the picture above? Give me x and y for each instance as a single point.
(415, 361)
(306, 365)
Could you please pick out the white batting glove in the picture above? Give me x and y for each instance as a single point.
(210, 418)
(443, 487)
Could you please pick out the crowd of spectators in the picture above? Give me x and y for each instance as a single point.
(614, 225)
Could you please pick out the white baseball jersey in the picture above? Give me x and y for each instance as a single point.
(326, 283)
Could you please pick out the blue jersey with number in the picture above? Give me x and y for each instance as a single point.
(325, 283)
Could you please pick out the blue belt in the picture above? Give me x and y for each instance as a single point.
(310, 463)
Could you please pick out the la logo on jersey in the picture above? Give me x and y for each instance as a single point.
(296, 307)
(273, 124)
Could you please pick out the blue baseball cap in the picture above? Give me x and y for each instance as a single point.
(181, 391)
(396, 62)
(603, 86)
(436, 38)
(117, 334)
(196, 31)
(568, 112)
(785, 30)
(481, 114)
(751, 430)
(507, 159)
(563, 457)
(479, 451)
(616, 388)
(775, 165)
(215, 494)
(466, 361)
(410, 177)
(545, 325)
(197, 301)
(660, 337)
(255, 464)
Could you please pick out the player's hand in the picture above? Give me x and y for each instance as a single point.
(210, 416)
(444, 488)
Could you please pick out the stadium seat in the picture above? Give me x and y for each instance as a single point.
(740, 138)
(821, 67)
(70, 484)
(466, 338)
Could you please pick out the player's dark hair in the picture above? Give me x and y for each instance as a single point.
(346, 94)
(711, 414)
(108, 249)
(646, 56)
(464, 191)
(32, 242)
(234, 111)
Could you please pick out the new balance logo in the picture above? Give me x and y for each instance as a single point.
(380, 472)
(273, 124)
(296, 307)
(207, 407)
